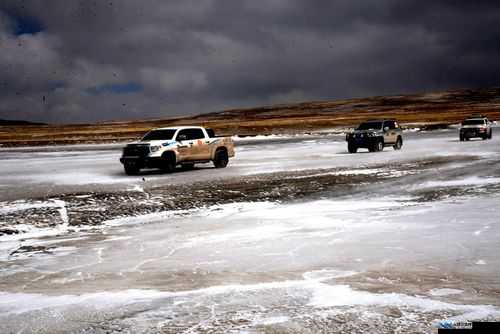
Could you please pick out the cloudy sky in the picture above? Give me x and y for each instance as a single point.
(70, 61)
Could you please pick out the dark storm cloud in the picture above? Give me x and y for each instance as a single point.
(74, 61)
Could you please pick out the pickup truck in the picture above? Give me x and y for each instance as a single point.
(165, 148)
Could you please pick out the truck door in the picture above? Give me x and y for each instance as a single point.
(390, 132)
(204, 144)
(193, 144)
(200, 144)
(185, 148)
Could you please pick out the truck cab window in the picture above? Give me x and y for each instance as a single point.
(197, 134)
(390, 124)
(190, 134)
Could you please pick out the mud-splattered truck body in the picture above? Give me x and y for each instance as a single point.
(165, 148)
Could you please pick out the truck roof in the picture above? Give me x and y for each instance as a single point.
(381, 120)
(179, 128)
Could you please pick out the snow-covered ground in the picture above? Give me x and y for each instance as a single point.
(406, 252)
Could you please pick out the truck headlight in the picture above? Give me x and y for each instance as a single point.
(155, 148)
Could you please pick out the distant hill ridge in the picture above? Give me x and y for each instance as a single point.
(428, 110)
(426, 102)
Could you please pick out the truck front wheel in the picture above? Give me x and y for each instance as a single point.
(221, 158)
(168, 162)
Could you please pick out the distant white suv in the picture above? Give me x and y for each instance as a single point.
(166, 148)
(476, 127)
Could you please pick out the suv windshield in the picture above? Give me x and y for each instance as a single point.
(159, 135)
(473, 122)
(370, 126)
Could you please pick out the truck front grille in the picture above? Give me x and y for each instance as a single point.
(136, 150)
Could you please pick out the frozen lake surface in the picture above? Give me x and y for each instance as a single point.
(36, 172)
(411, 241)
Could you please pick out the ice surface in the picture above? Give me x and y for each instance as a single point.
(471, 181)
(259, 263)
(95, 168)
(343, 295)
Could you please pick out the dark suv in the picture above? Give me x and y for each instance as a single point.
(375, 135)
(474, 127)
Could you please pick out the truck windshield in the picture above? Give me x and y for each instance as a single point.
(370, 126)
(166, 134)
(473, 122)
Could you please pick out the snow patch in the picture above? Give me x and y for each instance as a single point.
(471, 181)
(63, 212)
(270, 321)
(445, 292)
(323, 295)
(326, 274)
(342, 173)
(6, 208)
(343, 295)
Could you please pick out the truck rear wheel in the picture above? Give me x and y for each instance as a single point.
(221, 158)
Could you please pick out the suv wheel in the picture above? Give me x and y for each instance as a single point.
(399, 144)
(352, 148)
(379, 146)
(462, 138)
(490, 135)
(221, 159)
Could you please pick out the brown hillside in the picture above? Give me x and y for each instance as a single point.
(443, 108)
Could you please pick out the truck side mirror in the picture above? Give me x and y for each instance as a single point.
(386, 129)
